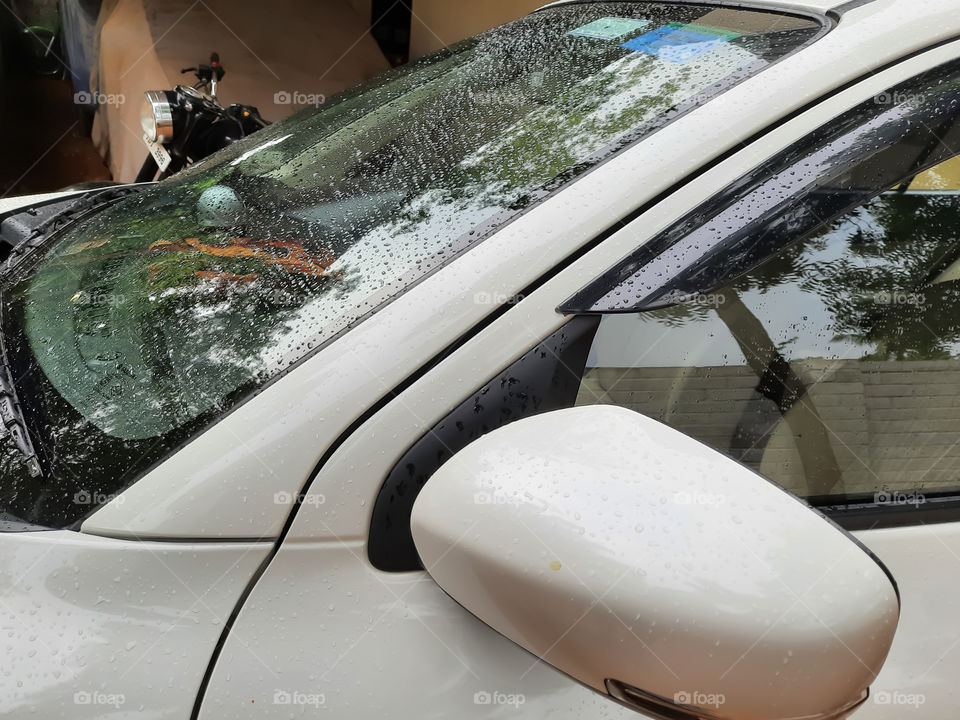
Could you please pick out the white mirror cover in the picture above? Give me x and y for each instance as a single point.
(618, 549)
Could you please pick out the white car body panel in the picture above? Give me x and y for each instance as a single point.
(321, 620)
(362, 644)
(210, 490)
(8, 204)
(94, 627)
(919, 679)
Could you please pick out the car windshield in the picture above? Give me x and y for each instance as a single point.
(139, 326)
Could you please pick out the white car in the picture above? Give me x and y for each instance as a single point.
(476, 392)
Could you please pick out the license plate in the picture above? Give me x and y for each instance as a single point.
(159, 152)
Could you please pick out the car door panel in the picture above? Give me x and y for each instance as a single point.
(919, 677)
(101, 627)
(325, 631)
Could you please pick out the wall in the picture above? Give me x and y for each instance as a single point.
(362, 7)
(438, 23)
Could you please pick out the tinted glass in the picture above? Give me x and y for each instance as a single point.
(833, 369)
(875, 145)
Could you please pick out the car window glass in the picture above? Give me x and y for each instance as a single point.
(884, 141)
(833, 369)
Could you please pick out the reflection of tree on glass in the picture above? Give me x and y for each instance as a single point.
(781, 393)
(785, 388)
(823, 328)
(173, 290)
(893, 293)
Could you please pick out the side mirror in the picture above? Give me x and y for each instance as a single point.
(657, 571)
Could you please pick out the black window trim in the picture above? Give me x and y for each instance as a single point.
(930, 509)
(545, 377)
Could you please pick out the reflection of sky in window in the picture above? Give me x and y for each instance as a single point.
(798, 321)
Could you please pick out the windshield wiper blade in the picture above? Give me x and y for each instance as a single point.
(11, 415)
(14, 423)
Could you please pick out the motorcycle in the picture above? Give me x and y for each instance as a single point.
(185, 125)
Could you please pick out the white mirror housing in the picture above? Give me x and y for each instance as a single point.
(656, 570)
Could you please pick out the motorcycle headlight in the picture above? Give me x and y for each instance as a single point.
(156, 116)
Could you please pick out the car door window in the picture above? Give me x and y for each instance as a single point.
(833, 368)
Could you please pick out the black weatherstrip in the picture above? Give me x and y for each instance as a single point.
(901, 509)
(497, 313)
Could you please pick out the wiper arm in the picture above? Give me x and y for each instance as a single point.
(11, 415)
(84, 206)
(14, 423)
